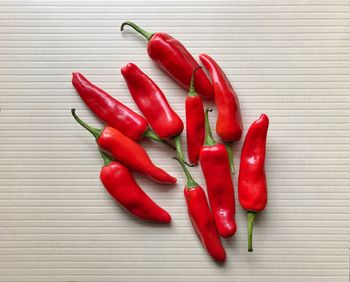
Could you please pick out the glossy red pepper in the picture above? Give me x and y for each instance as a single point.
(174, 59)
(201, 217)
(229, 125)
(126, 151)
(113, 112)
(195, 129)
(122, 186)
(252, 188)
(152, 103)
(215, 164)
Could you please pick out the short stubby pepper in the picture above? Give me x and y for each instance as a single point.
(229, 125)
(252, 187)
(201, 217)
(113, 112)
(153, 104)
(214, 161)
(195, 120)
(126, 151)
(121, 185)
(173, 58)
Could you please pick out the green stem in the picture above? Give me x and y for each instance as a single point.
(151, 135)
(209, 140)
(251, 217)
(179, 150)
(107, 160)
(94, 131)
(230, 157)
(190, 181)
(192, 91)
(140, 30)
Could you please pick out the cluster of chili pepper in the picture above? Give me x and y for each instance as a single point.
(121, 153)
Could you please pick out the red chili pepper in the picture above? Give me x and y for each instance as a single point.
(153, 104)
(215, 164)
(122, 186)
(174, 59)
(126, 151)
(201, 217)
(113, 112)
(229, 124)
(195, 120)
(252, 188)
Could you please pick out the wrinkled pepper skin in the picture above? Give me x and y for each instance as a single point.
(109, 110)
(215, 164)
(122, 186)
(126, 151)
(152, 103)
(201, 217)
(229, 125)
(195, 122)
(203, 222)
(173, 58)
(194, 127)
(252, 187)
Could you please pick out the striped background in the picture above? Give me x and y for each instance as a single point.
(289, 59)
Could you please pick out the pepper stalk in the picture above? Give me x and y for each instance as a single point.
(144, 33)
(251, 217)
(96, 132)
(190, 181)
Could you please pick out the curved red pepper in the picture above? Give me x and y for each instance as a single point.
(229, 124)
(153, 104)
(252, 188)
(215, 164)
(195, 120)
(174, 59)
(201, 217)
(126, 151)
(122, 186)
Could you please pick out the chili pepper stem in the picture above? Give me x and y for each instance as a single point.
(140, 30)
(230, 157)
(209, 140)
(151, 135)
(251, 217)
(106, 159)
(94, 131)
(179, 150)
(190, 181)
(192, 92)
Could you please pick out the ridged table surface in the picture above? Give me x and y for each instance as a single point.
(288, 59)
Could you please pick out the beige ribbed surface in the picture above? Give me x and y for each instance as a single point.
(289, 59)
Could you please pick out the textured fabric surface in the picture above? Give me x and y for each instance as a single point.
(289, 59)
